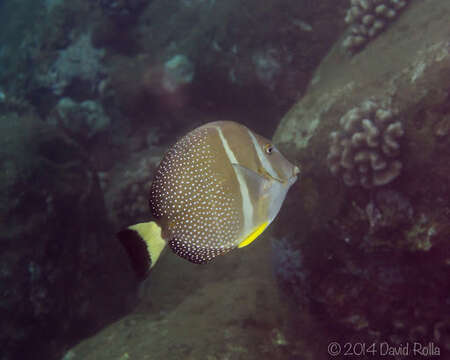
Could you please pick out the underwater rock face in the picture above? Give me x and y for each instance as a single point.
(371, 263)
(57, 282)
(227, 310)
(213, 333)
(365, 150)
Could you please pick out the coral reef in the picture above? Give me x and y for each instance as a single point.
(61, 272)
(267, 66)
(365, 150)
(123, 11)
(367, 18)
(82, 120)
(65, 260)
(19, 43)
(79, 61)
(389, 208)
(244, 61)
(51, 4)
(178, 71)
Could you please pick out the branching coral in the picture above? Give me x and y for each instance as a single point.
(366, 148)
(367, 18)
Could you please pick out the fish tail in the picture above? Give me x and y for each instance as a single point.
(144, 244)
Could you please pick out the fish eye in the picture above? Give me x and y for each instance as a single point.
(268, 148)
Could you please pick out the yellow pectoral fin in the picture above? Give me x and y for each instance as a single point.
(253, 235)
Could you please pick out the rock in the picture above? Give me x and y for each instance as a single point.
(51, 4)
(79, 61)
(83, 120)
(127, 193)
(209, 324)
(228, 309)
(62, 275)
(18, 36)
(371, 264)
(123, 12)
(178, 71)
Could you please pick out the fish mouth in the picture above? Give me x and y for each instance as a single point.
(270, 177)
(295, 175)
(292, 180)
(288, 182)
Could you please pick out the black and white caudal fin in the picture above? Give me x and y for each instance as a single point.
(137, 251)
(144, 244)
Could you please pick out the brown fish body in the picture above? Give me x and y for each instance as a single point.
(217, 188)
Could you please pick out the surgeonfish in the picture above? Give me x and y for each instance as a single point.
(216, 189)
